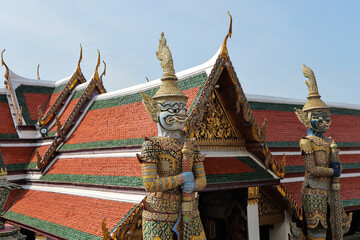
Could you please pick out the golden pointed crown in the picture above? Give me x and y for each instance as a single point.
(314, 102)
(169, 90)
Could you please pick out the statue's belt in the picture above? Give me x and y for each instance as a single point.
(164, 217)
(166, 196)
(165, 208)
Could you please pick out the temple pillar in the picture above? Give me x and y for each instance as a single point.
(253, 213)
(281, 230)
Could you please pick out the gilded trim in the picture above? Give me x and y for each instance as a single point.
(253, 195)
(294, 209)
(273, 164)
(128, 227)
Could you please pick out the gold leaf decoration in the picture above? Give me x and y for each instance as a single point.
(215, 124)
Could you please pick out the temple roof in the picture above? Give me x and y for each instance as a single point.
(86, 169)
(66, 216)
(120, 119)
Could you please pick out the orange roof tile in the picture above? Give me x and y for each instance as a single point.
(42, 150)
(33, 101)
(225, 165)
(128, 120)
(51, 102)
(84, 214)
(117, 166)
(7, 124)
(15, 155)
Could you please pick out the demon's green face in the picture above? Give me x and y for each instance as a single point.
(172, 115)
(320, 121)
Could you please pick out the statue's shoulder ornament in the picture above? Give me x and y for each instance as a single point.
(149, 151)
(305, 146)
(310, 144)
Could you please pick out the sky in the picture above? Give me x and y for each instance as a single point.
(270, 41)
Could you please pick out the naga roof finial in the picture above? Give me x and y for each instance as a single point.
(6, 75)
(96, 73)
(224, 51)
(80, 58)
(104, 71)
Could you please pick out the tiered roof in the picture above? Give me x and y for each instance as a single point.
(88, 159)
(92, 144)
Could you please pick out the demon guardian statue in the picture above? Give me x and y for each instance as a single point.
(172, 166)
(322, 170)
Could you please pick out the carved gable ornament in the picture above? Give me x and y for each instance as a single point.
(215, 131)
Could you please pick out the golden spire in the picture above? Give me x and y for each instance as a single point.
(224, 51)
(165, 57)
(314, 101)
(169, 90)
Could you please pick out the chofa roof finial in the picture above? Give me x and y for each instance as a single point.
(224, 51)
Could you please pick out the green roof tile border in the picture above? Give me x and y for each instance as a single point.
(296, 144)
(9, 135)
(291, 108)
(188, 83)
(259, 174)
(22, 101)
(59, 88)
(351, 202)
(50, 227)
(78, 94)
(32, 165)
(17, 166)
(94, 179)
(301, 168)
(103, 144)
(3, 98)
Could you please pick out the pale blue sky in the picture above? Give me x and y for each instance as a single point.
(271, 40)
